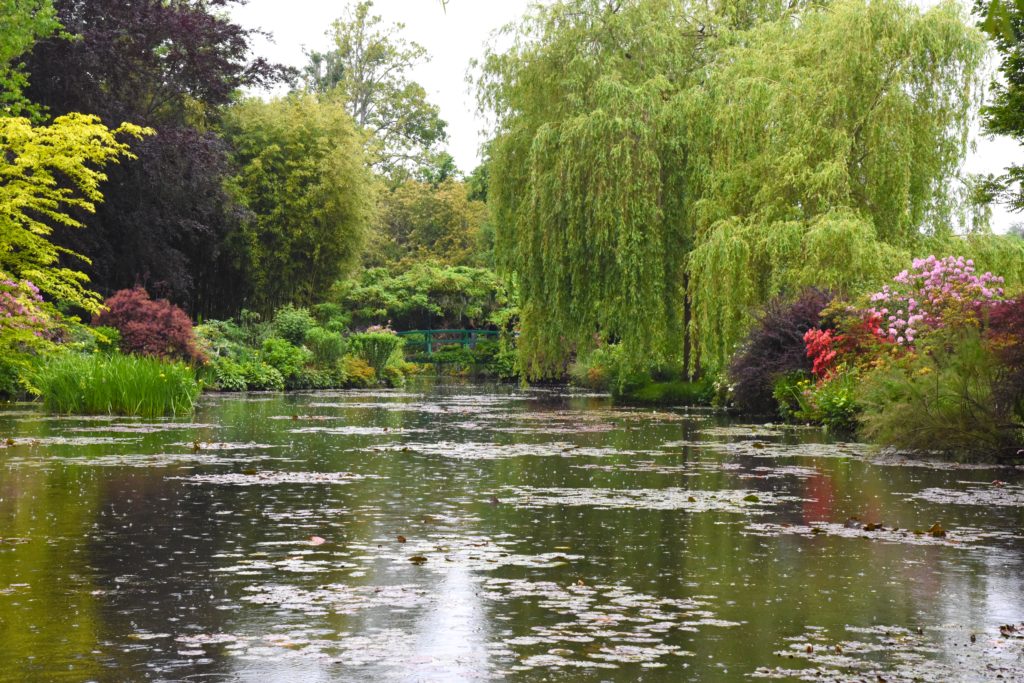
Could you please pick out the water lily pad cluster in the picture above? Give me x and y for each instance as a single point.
(599, 626)
(743, 501)
(898, 654)
(997, 494)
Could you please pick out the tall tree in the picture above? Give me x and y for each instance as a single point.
(831, 188)
(172, 66)
(303, 175)
(23, 22)
(1003, 114)
(45, 172)
(157, 63)
(420, 221)
(588, 222)
(368, 69)
(658, 160)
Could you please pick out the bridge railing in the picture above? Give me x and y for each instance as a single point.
(428, 341)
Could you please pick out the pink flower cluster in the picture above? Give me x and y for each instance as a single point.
(19, 303)
(923, 294)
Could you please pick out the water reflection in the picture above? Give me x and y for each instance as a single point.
(452, 638)
(460, 532)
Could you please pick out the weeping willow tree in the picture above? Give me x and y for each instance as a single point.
(662, 168)
(827, 149)
(591, 219)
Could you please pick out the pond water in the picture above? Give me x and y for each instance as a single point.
(459, 532)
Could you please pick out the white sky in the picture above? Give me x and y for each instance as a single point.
(453, 37)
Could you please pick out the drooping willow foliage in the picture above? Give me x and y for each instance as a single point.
(828, 146)
(578, 184)
(662, 168)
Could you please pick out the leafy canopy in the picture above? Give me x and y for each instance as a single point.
(662, 168)
(24, 22)
(419, 221)
(149, 61)
(1003, 114)
(46, 173)
(424, 296)
(368, 69)
(167, 222)
(302, 174)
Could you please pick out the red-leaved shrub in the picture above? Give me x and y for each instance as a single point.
(150, 328)
(775, 347)
(1005, 335)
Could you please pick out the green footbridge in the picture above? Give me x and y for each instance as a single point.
(428, 341)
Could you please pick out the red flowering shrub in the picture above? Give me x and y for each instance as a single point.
(150, 328)
(822, 349)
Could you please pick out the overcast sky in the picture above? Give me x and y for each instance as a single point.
(453, 37)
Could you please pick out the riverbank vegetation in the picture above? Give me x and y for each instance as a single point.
(930, 362)
(656, 216)
(116, 384)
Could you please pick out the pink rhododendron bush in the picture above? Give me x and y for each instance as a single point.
(934, 293)
(28, 327)
(933, 361)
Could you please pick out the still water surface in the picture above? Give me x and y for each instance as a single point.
(459, 532)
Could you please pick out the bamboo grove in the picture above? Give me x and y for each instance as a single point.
(662, 168)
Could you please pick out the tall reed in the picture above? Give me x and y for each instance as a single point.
(116, 384)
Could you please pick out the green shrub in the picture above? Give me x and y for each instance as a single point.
(606, 369)
(254, 328)
(484, 353)
(220, 338)
(262, 377)
(358, 373)
(832, 402)
(377, 348)
(940, 400)
(599, 369)
(393, 375)
(96, 384)
(331, 317)
(319, 378)
(505, 364)
(327, 347)
(228, 375)
(287, 358)
(450, 355)
(19, 349)
(106, 339)
(791, 392)
(292, 324)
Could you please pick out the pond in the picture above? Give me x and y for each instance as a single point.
(461, 532)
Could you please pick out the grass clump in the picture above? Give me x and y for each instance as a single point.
(671, 393)
(116, 384)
